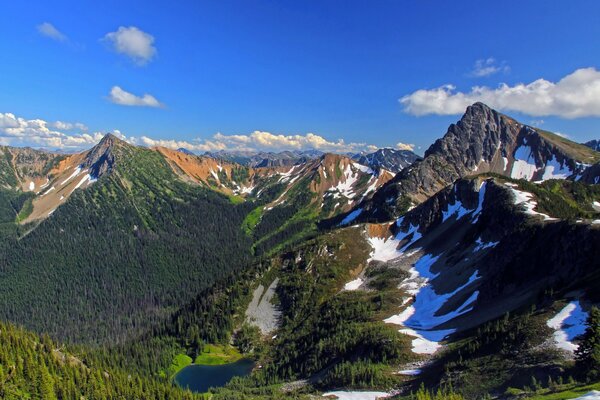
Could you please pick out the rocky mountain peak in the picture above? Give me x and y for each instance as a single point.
(482, 141)
(101, 158)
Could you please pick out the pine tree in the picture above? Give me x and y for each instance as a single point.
(588, 353)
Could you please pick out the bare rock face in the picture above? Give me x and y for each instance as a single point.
(101, 158)
(483, 141)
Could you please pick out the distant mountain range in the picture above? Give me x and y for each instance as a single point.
(593, 144)
(392, 160)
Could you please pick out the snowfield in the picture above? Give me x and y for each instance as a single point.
(346, 188)
(524, 166)
(384, 249)
(555, 170)
(569, 323)
(421, 318)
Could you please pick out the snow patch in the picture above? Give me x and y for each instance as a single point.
(505, 161)
(73, 175)
(345, 188)
(422, 317)
(384, 249)
(410, 372)
(87, 178)
(569, 323)
(353, 285)
(363, 168)
(526, 199)
(556, 170)
(48, 191)
(524, 166)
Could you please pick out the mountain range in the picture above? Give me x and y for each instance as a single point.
(469, 272)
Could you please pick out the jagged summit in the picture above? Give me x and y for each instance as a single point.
(483, 140)
(101, 158)
(388, 158)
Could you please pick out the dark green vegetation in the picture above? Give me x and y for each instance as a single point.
(33, 367)
(144, 273)
(564, 199)
(120, 255)
(332, 338)
(287, 223)
(588, 353)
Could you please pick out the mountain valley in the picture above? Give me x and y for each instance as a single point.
(470, 273)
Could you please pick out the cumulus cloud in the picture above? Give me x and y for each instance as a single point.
(259, 140)
(132, 42)
(64, 135)
(124, 98)
(404, 146)
(37, 132)
(48, 30)
(487, 67)
(67, 126)
(575, 95)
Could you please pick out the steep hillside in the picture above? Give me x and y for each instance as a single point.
(483, 140)
(388, 306)
(119, 254)
(34, 367)
(320, 189)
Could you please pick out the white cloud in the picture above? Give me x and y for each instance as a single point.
(48, 30)
(124, 98)
(576, 95)
(67, 126)
(37, 132)
(404, 146)
(132, 42)
(259, 140)
(487, 67)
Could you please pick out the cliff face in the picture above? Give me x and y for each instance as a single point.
(484, 140)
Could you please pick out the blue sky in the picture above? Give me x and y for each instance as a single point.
(337, 69)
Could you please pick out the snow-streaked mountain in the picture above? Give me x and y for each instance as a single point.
(484, 140)
(393, 160)
(265, 159)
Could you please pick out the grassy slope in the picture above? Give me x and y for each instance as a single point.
(577, 151)
(216, 354)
